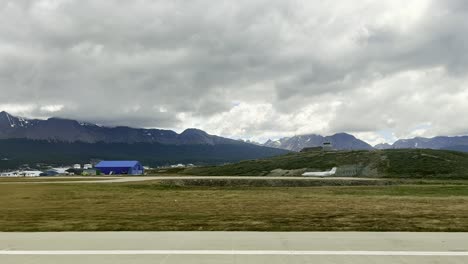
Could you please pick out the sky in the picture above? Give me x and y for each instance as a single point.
(251, 69)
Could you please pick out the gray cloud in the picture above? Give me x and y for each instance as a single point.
(253, 69)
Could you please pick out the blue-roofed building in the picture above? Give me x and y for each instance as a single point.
(113, 167)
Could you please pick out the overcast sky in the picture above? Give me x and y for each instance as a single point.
(251, 69)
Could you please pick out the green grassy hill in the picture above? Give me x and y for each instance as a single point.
(394, 163)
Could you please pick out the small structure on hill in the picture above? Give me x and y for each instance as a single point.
(120, 167)
(311, 149)
(327, 146)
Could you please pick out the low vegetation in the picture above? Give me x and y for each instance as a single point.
(155, 205)
(394, 163)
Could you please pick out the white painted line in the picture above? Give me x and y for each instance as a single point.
(232, 252)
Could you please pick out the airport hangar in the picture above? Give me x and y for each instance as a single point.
(120, 167)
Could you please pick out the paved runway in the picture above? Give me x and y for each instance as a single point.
(233, 247)
(147, 178)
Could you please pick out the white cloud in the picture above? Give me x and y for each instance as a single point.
(252, 69)
(374, 138)
(260, 122)
(51, 108)
(18, 109)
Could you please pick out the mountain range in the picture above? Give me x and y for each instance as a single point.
(459, 143)
(35, 140)
(64, 141)
(65, 130)
(343, 141)
(340, 141)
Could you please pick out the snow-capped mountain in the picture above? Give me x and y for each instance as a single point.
(64, 130)
(442, 142)
(340, 141)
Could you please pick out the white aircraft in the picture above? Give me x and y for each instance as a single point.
(321, 173)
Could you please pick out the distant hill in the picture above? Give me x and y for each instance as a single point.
(459, 143)
(393, 163)
(458, 148)
(16, 152)
(340, 141)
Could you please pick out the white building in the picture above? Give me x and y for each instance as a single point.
(87, 166)
(77, 166)
(30, 173)
(61, 170)
(27, 173)
(9, 174)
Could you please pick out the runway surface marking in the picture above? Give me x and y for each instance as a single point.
(233, 252)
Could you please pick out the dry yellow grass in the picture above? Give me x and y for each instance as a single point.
(150, 206)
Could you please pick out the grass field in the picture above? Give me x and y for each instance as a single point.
(154, 206)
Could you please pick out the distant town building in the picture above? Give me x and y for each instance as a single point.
(87, 166)
(120, 167)
(61, 171)
(9, 174)
(50, 173)
(31, 173)
(77, 166)
(25, 173)
(89, 172)
(73, 171)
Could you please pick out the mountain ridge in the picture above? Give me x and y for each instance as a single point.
(68, 130)
(17, 152)
(459, 143)
(66, 141)
(340, 141)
